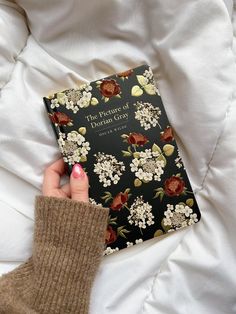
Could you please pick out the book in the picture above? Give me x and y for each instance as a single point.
(116, 127)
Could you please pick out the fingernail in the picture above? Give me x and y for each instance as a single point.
(77, 171)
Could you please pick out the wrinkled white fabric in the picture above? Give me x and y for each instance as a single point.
(190, 46)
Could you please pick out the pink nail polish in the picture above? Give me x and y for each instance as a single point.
(77, 171)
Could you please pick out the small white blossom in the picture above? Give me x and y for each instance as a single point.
(178, 216)
(147, 114)
(141, 213)
(109, 250)
(108, 168)
(54, 103)
(73, 146)
(147, 167)
(178, 161)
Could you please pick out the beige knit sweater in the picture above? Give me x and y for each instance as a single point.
(67, 249)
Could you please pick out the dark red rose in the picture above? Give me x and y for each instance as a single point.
(137, 138)
(60, 118)
(111, 235)
(119, 200)
(126, 73)
(167, 135)
(174, 186)
(109, 88)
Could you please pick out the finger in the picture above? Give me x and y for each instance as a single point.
(52, 175)
(66, 188)
(79, 184)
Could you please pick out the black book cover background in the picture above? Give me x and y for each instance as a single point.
(113, 144)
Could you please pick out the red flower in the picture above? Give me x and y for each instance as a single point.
(137, 138)
(109, 88)
(60, 118)
(167, 135)
(126, 73)
(119, 200)
(111, 235)
(174, 186)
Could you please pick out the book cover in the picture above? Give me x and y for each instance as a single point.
(117, 129)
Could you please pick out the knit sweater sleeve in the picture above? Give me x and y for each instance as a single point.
(67, 250)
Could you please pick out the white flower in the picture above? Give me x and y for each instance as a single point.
(109, 250)
(129, 244)
(178, 161)
(147, 114)
(140, 213)
(138, 241)
(178, 216)
(108, 168)
(54, 103)
(73, 146)
(92, 201)
(147, 167)
(193, 219)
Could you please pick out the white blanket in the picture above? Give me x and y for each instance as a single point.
(50, 45)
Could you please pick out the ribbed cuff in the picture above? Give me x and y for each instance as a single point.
(62, 220)
(69, 241)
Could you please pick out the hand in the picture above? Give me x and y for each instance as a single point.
(76, 189)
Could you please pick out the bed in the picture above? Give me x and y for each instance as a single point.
(50, 45)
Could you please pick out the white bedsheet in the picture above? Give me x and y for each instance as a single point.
(190, 47)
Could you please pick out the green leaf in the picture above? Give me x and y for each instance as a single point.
(83, 158)
(106, 99)
(142, 80)
(158, 233)
(136, 91)
(82, 130)
(130, 150)
(137, 182)
(127, 190)
(118, 96)
(136, 154)
(159, 194)
(156, 148)
(150, 89)
(94, 101)
(168, 149)
(165, 228)
(120, 228)
(161, 157)
(190, 202)
(126, 154)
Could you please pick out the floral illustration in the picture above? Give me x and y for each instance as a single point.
(60, 118)
(141, 213)
(73, 146)
(92, 201)
(111, 235)
(109, 250)
(147, 114)
(178, 216)
(173, 186)
(125, 74)
(129, 244)
(74, 98)
(178, 161)
(108, 168)
(148, 166)
(119, 201)
(167, 135)
(109, 88)
(146, 83)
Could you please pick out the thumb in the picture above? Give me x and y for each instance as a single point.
(79, 184)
